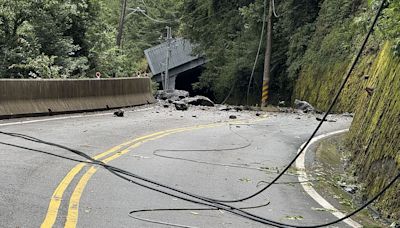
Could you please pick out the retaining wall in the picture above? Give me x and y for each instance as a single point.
(35, 97)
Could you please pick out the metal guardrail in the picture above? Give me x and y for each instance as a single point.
(40, 97)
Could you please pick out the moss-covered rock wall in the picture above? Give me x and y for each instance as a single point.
(375, 133)
(319, 84)
(374, 137)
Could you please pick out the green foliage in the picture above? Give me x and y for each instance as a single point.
(389, 25)
(76, 38)
(38, 38)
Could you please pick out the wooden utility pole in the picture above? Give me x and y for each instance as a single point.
(121, 23)
(267, 64)
(169, 39)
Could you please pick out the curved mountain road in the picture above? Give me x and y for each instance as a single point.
(41, 190)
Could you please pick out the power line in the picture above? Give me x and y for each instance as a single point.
(258, 51)
(273, 9)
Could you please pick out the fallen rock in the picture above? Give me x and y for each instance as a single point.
(303, 106)
(224, 108)
(351, 190)
(119, 113)
(232, 117)
(181, 106)
(395, 225)
(166, 106)
(238, 108)
(199, 101)
(327, 120)
(346, 114)
(258, 114)
(370, 91)
(173, 95)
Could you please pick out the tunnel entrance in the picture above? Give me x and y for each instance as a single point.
(185, 80)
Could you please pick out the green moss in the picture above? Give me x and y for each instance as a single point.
(375, 133)
(374, 137)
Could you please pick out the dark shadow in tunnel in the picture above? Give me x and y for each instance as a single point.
(185, 81)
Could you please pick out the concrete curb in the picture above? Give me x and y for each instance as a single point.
(304, 180)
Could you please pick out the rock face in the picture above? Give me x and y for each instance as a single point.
(181, 106)
(174, 95)
(199, 101)
(304, 106)
(374, 134)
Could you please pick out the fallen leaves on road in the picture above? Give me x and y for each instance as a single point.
(322, 209)
(296, 217)
(247, 180)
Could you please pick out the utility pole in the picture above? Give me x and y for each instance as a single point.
(169, 39)
(267, 64)
(121, 23)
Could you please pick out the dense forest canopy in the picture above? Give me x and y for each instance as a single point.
(76, 38)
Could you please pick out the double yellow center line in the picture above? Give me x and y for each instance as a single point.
(106, 157)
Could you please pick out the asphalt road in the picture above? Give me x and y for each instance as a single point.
(38, 189)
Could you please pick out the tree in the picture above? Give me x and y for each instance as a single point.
(37, 35)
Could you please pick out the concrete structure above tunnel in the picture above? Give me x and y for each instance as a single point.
(181, 60)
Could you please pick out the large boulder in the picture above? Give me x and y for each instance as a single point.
(303, 106)
(174, 95)
(199, 101)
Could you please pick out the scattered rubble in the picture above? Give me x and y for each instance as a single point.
(119, 113)
(173, 95)
(232, 117)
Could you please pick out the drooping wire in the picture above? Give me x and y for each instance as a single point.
(258, 52)
(273, 9)
(131, 214)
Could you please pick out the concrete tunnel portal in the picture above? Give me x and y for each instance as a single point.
(185, 67)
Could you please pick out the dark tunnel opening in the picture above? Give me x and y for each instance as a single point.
(185, 81)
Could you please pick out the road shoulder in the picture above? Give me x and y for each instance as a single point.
(326, 163)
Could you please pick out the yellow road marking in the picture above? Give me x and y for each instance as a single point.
(73, 209)
(56, 199)
(72, 218)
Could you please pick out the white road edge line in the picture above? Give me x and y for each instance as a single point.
(303, 178)
(68, 117)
